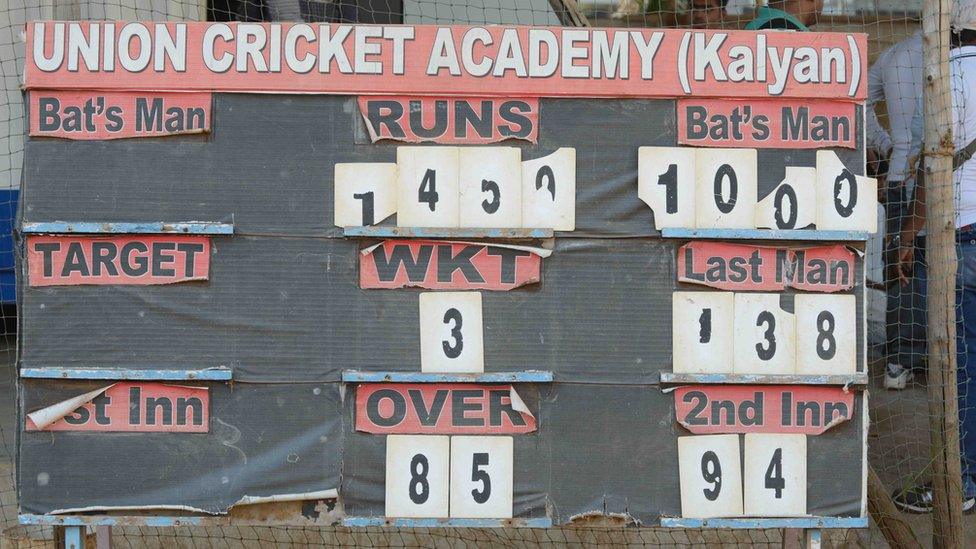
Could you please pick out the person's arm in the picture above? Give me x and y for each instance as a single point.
(877, 136)
(916, 214)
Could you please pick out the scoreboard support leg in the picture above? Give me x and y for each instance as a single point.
(74, 537)
(812, 539)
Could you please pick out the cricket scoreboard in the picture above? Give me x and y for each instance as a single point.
(443, 275)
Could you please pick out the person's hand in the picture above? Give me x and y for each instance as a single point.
(905, 259)
(877, 167)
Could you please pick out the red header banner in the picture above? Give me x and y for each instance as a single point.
(450, 120)
(797, 409)
(138, 407)
(745, 267)
(86, 115)
(496, 60)
(441, 408)
(770, 124)
(70, 260)
(444, 265)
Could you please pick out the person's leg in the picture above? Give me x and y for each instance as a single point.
(918, 499)
(900, 323)
(966, 356)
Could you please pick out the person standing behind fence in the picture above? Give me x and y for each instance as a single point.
(797, 15)
(706, 14)
(896, 78)
(962, 64)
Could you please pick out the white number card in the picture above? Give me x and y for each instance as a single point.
(427, 187)
(549, 191)
(491, 187)
(365, 193)
(666, 183)
(765, 336)
(481, 477)
(417, 476)
(826, 331)
(701, 332)
(710, 473)
(775, 475)
(451, 335)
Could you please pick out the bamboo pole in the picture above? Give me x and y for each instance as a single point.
(940, 227)
(896, 531)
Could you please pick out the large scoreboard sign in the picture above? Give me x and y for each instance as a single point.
(443, 275)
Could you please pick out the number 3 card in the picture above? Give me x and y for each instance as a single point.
(710, 473)
(451, 336)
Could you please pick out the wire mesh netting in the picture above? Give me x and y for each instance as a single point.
(899, 439)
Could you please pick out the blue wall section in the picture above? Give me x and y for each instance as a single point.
(8, 281)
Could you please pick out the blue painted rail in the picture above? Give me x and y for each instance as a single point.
(528, 376)
(107, 227)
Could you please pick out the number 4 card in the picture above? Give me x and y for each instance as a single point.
(775, 475)
(710, 473)
(427, 187)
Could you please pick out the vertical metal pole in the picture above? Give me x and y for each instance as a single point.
(74, 537)
(813, 539)
(940, 227)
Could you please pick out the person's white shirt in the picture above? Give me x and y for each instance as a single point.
(962, 63)
(895, 78)
(962, 66)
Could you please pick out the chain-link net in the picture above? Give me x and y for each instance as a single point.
(899, 440)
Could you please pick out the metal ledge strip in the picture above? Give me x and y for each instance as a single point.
(672, 378)
(763, 523)
(447, 232)
(362, 522)
(207, 374)
(108, 520)
(765, 234)
(528, 376)
(153, 227)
